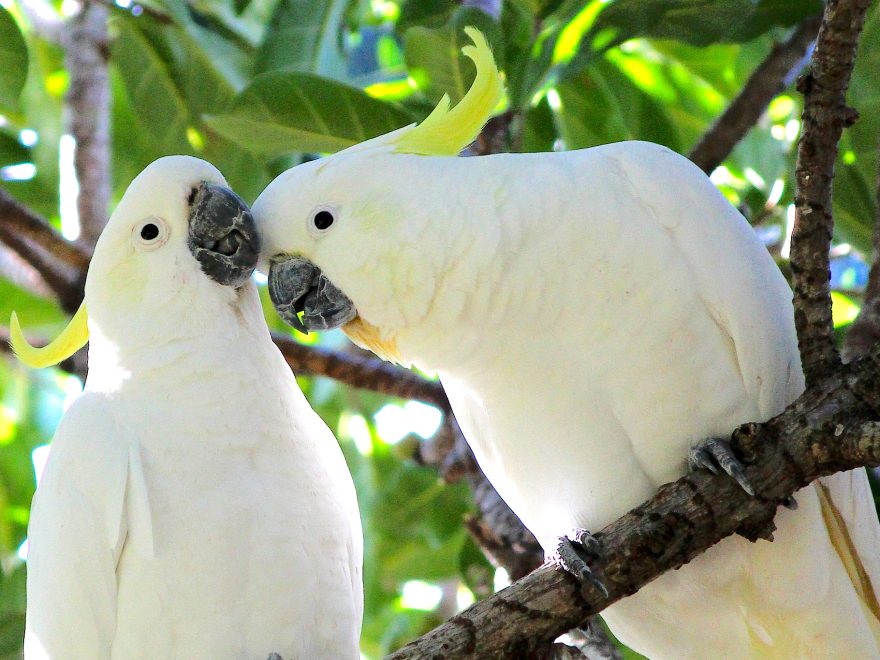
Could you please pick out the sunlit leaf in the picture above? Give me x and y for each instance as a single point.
(697, 21)
(282, 112)
(13, 61)
(843, 309)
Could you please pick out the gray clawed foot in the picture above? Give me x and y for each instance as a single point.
(712, 453)
(573, 550)
(274, 656)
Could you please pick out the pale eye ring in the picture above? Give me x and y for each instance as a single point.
(150, 234)
(322, 218)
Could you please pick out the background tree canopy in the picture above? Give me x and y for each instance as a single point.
(255, 86)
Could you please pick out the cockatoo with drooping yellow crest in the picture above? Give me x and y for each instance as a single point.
(193, 504)
(600, 319)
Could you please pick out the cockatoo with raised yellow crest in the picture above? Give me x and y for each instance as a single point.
(193, 504)
(599, 319)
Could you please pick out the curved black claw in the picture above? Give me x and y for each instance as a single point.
(789, 502)
(714, 452)
(572, 553)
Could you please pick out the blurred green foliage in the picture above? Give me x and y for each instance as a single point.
(257, 85)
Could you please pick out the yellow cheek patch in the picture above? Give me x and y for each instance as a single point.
(445, 132)
(366, 335)
(71, 339)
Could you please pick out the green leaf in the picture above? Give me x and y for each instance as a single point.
(303, 36)
(240, 5)
(13, 61)
(12, 151)
(698, 22)
(425, 13)
(539, 130)
(285, 111)
(856, 168)
(200, 64)
(159, 110)
(434, 58)
(602, 105)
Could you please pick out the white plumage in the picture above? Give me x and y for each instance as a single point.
(193, 504)
(593, 315)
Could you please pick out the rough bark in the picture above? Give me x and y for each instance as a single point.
(824, 118)
(87, 114)
(766, 82)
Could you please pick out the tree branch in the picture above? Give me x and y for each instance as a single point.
(61, 264)
(766, 82)
(829, 429)
(87, 109)
(361, 372)
(825, 116)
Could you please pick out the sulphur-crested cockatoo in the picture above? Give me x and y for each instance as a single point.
(193, 504)
(596, 318)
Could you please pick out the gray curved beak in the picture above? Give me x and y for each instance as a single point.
(296, 285)
(222, 234)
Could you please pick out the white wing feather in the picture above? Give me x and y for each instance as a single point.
(79, 523)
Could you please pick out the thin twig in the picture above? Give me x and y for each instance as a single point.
(824, 118)
(766, 81)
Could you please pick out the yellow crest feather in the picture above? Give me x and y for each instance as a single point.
(445, 132)
(71, 339)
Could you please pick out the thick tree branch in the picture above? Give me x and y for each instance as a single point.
(766, 82)
(88, 114)
(829, 429)
(825, 116)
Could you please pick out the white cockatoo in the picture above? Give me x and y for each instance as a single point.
(193, 504)
(597, 318)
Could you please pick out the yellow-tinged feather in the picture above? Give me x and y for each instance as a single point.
(71, 339)
(445, 132)
(368, 336)
(846, 550)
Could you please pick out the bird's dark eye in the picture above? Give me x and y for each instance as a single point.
(323, 219)
(149, 231)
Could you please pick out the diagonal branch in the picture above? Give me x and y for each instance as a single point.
(360, 371)
(825, 116)
(61, 264)
(767, 81)
(829, 429)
